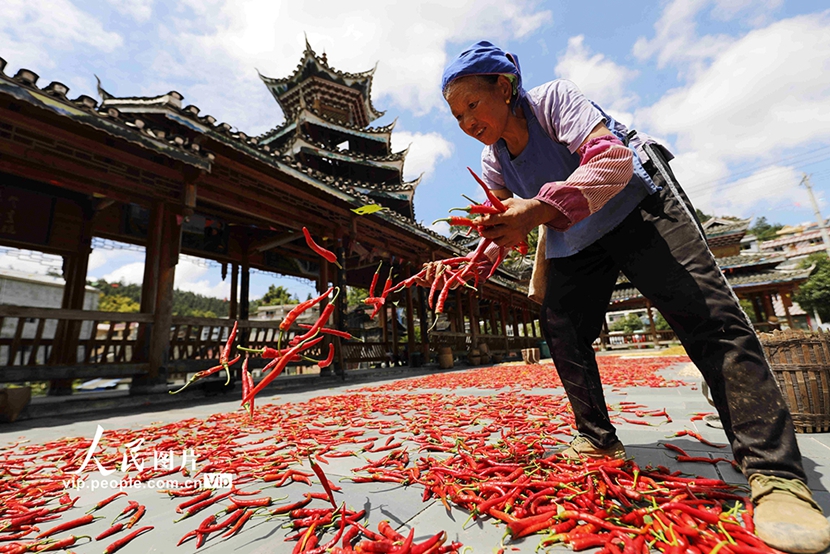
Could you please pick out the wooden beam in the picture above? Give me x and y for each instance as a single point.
(19, 374)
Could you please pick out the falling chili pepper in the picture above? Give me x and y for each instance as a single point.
(327, 254)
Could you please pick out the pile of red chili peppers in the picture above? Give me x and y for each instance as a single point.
(482, 454)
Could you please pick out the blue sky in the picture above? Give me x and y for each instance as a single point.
(739, 90)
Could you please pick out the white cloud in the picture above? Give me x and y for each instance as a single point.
(100, 258)
(139, 10)
(760, 99)
(425, 151)
(193, 275)
(599, 78)
(676, 40)
(129, 274)
(409, 41)
(441, 227)
(31, 32)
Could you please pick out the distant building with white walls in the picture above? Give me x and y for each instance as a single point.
(18, 288)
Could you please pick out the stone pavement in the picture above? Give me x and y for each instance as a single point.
(403, 506)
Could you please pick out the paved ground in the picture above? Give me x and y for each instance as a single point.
(404, 506)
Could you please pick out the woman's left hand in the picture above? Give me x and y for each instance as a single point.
(513, 225)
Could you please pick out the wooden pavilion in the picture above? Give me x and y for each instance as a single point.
(755, 277)
(153, 172)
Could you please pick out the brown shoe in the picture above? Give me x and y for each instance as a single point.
(582, 447)
(787, 517)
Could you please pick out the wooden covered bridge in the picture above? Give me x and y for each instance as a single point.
(152, 172)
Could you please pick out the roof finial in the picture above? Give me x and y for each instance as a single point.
(101, 92)
(324, 58)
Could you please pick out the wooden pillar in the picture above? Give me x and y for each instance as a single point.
(341, 304)
(244, 294)
(74, 271)
(384, 326)
(651, 325)
(503, 319)
(514, 316)
(603, 338)
(494, 330)
(395, 338)
(474, 329)
(769, 310)
(459, 311)
(524, 321)
(787, 302)
(233, 310)
(425, 323)
(158, 356)
(756, 306)
(410, 320)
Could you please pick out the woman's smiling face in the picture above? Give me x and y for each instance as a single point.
(480, 108)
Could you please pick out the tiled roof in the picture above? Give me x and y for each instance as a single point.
(726, 228)
(736, 281)
(125, 123)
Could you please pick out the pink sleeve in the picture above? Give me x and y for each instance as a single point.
(605, 169)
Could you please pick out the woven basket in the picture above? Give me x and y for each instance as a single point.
(800, 362)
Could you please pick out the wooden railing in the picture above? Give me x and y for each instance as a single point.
(616, 341)
(196, 342)
(463, 342)
(101, 344)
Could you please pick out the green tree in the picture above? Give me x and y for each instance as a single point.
(277, 295)
(660, 323)
(118, 303)
(765, 230)
(355, 296)
(703, 217)
(814, 294)
(627, 324)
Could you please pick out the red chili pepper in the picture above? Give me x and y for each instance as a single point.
(83, 520)
(139, 513)
(63, 544)
(286, 323)
(111, 531)
(335, 332)
(329, 359)
(240, 523)
(204, 495)
(327, 254)
(458, 221)
(494, 200)
(206, 373)
(323, 479)
(280, 366)
(120, 543)
(106, 501)
(375, 280)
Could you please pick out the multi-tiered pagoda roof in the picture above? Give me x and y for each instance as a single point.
(327, 116)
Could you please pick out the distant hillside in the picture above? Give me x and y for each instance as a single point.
(126, 298)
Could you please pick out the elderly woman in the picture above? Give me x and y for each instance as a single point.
(610, 203)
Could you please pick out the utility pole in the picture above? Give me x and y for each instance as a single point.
(805, 180)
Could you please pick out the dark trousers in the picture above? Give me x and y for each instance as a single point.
(660, 248)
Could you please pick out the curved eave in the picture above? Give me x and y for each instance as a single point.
(114, 127)
(380, 135)
(300, 144)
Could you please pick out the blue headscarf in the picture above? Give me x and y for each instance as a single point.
(484, 58)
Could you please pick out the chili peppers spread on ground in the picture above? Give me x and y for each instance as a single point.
(483, 454)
